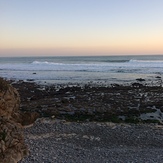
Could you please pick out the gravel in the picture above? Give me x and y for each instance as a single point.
(58, 141)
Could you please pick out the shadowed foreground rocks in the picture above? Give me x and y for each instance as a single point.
(12, 145)
(133, 103)
(9, 100)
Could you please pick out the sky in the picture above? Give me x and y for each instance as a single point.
(81, 27)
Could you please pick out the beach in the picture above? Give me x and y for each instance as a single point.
(93, 123)
(61, 141)
(89, 109)
(81, 81)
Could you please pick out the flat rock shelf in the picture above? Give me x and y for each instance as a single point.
(134, 103)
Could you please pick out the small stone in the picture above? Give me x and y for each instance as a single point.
(53, 116)
(85, 136)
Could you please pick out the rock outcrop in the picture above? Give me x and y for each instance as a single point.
(9, 100)
(12, 145)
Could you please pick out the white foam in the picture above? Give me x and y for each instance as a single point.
(80, 70)
(46, 63)
(146, 61)
(138, 65)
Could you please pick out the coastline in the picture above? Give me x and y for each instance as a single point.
(83, 123)
(133, 103)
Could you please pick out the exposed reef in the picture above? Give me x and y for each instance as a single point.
(135, 103)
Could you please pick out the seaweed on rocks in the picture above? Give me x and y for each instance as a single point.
(91, 103)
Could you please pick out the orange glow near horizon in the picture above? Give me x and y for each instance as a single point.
(82, 46)
(139, 50)
(70, 28)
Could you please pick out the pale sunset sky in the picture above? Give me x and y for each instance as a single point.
(81, 27)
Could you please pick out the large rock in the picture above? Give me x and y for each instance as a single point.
(10, 105)
(12, 145)
(9, 100)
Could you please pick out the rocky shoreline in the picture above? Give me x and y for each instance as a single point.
(77, 122)
(132, 103)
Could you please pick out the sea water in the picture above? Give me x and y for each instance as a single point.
(84, 69)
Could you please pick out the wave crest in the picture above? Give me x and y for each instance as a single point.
(145, 61)
(46, 63)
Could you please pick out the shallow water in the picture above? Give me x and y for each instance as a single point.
(102, 69)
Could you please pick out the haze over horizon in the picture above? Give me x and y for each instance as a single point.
(83, 27)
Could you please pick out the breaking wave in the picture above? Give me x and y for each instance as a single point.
(145, 61)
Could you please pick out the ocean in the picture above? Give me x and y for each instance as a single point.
(83, 69)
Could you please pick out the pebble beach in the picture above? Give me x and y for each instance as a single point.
(76, 123)
(59, 141)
